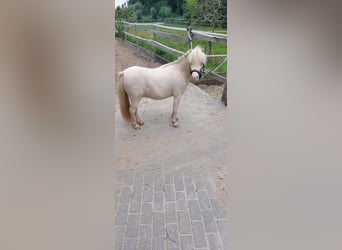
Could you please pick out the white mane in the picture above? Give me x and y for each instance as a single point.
(197, 56)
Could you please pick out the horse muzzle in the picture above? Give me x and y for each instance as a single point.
(196, 74)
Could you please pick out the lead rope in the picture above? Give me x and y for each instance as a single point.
(221, 63)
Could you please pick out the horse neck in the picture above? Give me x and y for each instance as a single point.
(183, 64)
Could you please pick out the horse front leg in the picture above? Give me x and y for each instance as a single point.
(174, 118)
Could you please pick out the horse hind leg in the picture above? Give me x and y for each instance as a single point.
(133, 111)
(139, 121)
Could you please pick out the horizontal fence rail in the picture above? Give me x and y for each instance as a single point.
(202, 35)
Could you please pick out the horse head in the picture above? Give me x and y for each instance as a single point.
(197, 60)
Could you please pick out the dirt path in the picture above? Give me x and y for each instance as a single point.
(126, 57)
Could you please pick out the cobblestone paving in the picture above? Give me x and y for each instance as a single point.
(171, 190)
(158, 209)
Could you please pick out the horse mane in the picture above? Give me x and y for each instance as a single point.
(197, 53)
(181, 58)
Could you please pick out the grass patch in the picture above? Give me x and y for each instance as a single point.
(217, 48)
(197, 27)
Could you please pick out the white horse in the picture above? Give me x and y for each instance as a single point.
(158, 83)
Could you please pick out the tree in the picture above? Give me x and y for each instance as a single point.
(139, 14)
(190, 10)
(154, 13)
(165, 12)
(135, 11)
(212, 11)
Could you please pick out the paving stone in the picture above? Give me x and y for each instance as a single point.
(189, 187)
(172, 236)
(119, 236)
(144, 244)
(209, 221)
(187, 172)
(145, 231)
(130, 244)
(183, 222)
(158, 204)
(211, 191)
(169, 192)
(179, 183)
(199, 184)
(144, 241)
(135, 204)
(168, 179)
(148, 177)
(203, 200)
(223, 228)
(125, 196)
(132, 225)
(215, 242)
(138, 185)
(121, 215)
(158, 242)
(171, 216)
(129, 178)
(158, 181)
(195, 213)
(217, 209)
(181, 201)
(186, 242)
(146, 213)
(148, 193)
(199, 234)
(158, 223)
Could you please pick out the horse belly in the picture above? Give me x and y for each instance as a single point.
(165, 83)
(156, 89)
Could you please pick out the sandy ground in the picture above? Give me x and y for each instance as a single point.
(126, 57)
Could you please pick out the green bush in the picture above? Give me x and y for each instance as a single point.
(139, 14)
(165, 12)
(154, 13)
(119, 30)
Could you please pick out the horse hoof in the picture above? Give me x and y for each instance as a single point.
(140, 122)
(175, 124)
(136, 126)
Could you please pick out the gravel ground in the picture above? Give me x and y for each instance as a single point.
(126, 57)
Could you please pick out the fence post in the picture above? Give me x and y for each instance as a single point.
(136, 33)
(154, 40)
(124, 31)
(224, 93)
(210, 45)
(189, 33)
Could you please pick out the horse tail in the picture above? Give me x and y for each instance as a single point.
(123, 99)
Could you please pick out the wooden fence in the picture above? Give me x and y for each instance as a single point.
(206, 36)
